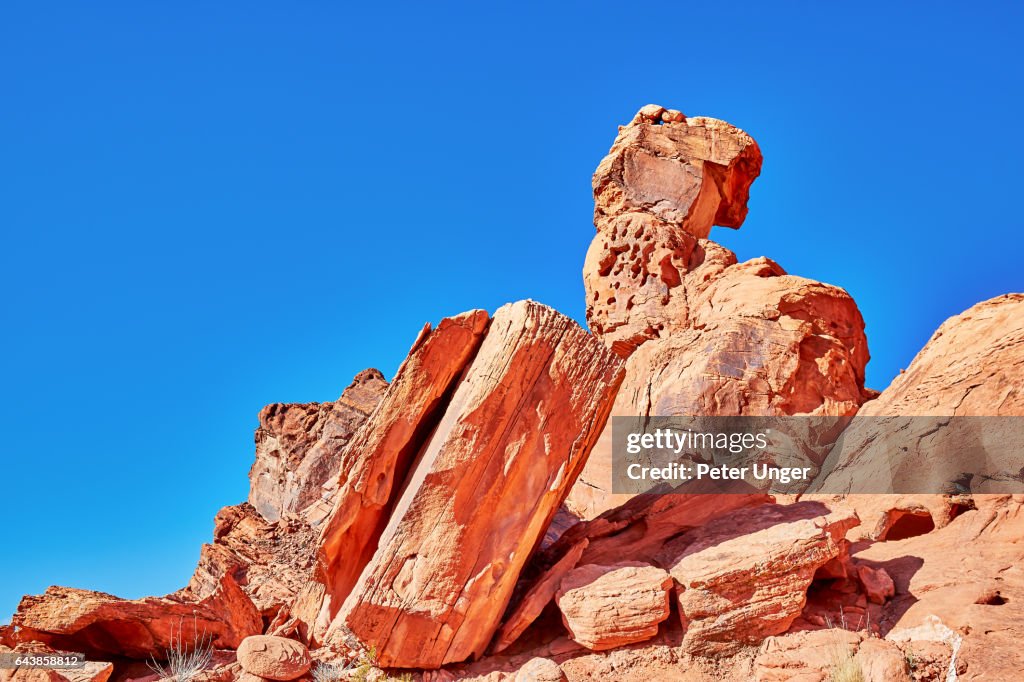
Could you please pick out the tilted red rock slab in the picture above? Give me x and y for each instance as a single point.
(483, 490)
(100, 624)
(376, 461)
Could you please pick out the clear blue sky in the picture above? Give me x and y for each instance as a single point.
(207, 207)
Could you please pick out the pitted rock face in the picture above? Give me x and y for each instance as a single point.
(703, 333)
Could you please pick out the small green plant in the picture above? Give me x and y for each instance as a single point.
(367, 666)
(911, 659)
(186, 657)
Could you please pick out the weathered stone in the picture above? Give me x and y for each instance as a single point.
(609, 606)
(877, 584)
(484, 488)
(694, 174)
(704, 335)
(269, 561)
(377, 461)
(970, 367)
(540, 670)
(101, 625)
(273, 658)
(298, 446)
(536, 598)
(745, 575)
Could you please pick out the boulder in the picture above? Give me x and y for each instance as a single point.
(483, 489)
(833, 654)
(604, 607)
(273, 658)
(877, 584)
(745, 575)
(540, 670)
(298, 446)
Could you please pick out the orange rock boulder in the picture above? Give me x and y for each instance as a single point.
(604, 607)
(745, 575)
(273, 658)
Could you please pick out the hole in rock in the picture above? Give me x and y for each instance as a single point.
(991, 599)
(959, 508)
(908, 525)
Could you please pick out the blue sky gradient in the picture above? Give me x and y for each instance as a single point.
(207, 207)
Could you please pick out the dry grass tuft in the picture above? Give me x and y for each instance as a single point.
(186, 657)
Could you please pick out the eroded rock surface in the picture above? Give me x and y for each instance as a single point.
(704, 334)
(745, 575)
(298, 446)
(377, 461)
(604, 607)
(483, 490)
(101, 625)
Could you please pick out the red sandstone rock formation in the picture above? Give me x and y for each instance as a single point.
(745, 575)
(511, 442)
(704, 335)
(377, 461)
(422, 518)
(102, 625)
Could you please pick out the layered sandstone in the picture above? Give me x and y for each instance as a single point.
(744, 576)
(376, 462)
(298, 446)
(511, 442)
(102, 625)
(604, 607)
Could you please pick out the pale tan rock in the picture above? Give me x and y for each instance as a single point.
(298, 446)
(273, 658)
(540, 670)
(100, 624)
(483, 490)
(744, 576)
(881, 661)
(821, 655)
(604, 607)
(377, 461)
(970, 367)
